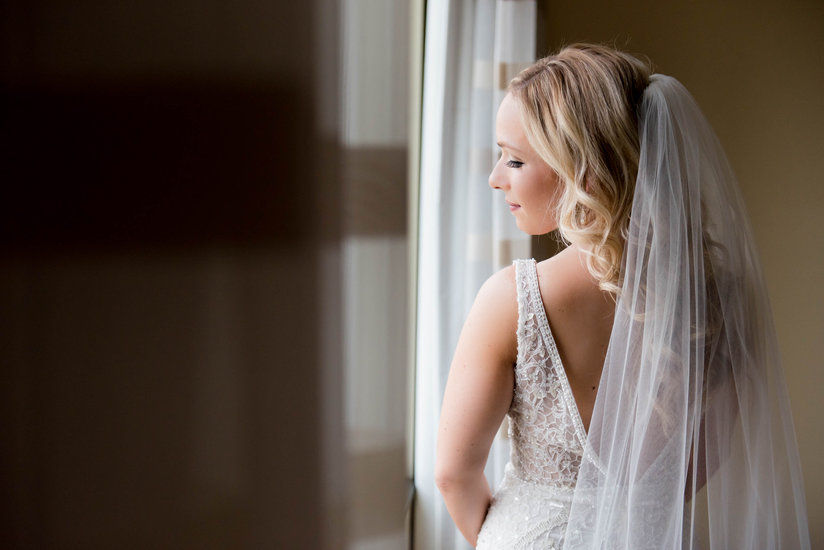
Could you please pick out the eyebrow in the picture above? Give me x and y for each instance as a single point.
(503, 144)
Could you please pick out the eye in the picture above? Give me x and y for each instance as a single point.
(514, 163)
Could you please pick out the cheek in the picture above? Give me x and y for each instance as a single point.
(546, 193)
(552, 186)
(543, 190)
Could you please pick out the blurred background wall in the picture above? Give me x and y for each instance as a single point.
(756, 69)
(170, 298)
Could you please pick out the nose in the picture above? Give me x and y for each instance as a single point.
(496, 178)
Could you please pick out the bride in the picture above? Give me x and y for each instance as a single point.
(638, 367)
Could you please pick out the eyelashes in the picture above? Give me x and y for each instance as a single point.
(510, 163)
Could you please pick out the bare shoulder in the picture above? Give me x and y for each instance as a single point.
(500, 287)
(494, 315)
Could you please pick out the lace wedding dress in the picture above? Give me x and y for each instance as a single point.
(531, 507)
(692, 424)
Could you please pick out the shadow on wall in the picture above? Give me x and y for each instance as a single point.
(160, 277)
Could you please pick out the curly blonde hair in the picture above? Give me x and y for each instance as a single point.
(579, 110)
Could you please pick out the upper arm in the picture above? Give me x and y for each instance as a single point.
(481, 378)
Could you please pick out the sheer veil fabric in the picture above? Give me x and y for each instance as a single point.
(691, 443)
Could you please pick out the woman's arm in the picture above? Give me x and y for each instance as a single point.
(478, 395)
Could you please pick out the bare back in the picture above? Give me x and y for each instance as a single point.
(581, 316)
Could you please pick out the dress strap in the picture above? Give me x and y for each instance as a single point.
(528, 328)
(536, 342)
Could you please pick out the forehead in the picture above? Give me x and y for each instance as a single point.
(508, 110)
(508, 125)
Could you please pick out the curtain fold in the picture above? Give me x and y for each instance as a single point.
(472, 50)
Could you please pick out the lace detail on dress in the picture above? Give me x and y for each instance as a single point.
(546, 430)
(531, 507)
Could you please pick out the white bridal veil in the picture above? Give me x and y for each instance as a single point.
(691, 443)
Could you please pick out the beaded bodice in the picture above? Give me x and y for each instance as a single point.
(530, 508)
(545, 427)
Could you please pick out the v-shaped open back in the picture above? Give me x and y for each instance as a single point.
(531, 507)
(546, 429)
(531, 273)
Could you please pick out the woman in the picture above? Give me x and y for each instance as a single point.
(653, 413)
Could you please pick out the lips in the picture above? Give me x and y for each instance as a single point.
(512, 206)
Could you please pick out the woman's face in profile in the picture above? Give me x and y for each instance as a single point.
(529, 185)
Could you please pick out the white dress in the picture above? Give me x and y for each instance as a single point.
(531, 507)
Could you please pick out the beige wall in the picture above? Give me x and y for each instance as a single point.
(756, 69)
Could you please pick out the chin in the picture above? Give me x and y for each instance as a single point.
(536, 231)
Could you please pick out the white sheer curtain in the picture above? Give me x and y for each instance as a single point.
(473, 48)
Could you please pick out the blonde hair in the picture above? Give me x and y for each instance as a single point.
(579, 110)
